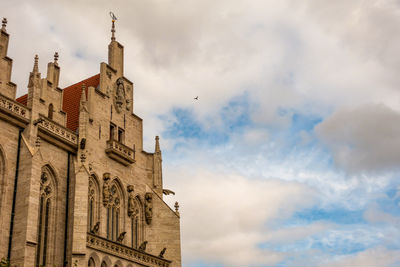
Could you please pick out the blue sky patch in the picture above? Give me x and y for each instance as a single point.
(336, 215)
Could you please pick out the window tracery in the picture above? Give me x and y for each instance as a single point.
(134, 212)
(45, 208)
(113, 212)
(93, 203)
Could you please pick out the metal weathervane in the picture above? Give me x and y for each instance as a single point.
(114, 18)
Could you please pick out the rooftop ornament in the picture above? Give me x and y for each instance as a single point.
(56, 58)
(114, 18)
(4, 24)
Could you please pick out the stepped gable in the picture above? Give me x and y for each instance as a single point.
(71, 98)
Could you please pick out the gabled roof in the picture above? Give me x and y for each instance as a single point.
(72, 97)
(23, 99)
(71, 100)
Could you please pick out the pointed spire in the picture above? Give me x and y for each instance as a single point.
(157, 144)
(56, 58)
(4, 24)
(36, 64)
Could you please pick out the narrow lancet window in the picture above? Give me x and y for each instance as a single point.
(44, 223)
(113, 213)
(51, 110)
(93, 202)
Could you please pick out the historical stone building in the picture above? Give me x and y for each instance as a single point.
(76, 187)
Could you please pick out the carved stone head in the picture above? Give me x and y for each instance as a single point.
(106, 176)
(130, 188)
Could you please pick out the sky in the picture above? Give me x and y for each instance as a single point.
(290, 157)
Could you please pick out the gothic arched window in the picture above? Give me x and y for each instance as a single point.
(51, 110)
(135, 214)
(103, 264)
(47, 192)
(114, 211)
(93, 204)
(91, 263)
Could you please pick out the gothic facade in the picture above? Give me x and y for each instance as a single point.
(76, 186)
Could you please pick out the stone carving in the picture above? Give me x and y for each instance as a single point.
(142, 246)
(168, 192)
(95, 229)
(14, 108)
(83, 157)
(148, 207)
(60, 131)
(106, 188)
(133, 209)
(45, 184)
(119, 97)
(124, 252)
(83, 143)
(176, 207)
(121, 237)
(43, 178)
(162, 253)
(37, 142)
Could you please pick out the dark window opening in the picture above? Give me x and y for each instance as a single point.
(51, 110)
(121, 135)
(112, 129)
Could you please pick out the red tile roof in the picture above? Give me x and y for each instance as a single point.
(72, 96)
(71, 100)
(23, 99)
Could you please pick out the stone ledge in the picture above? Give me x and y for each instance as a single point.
(122, 251)
(57, 134)
(16, 112)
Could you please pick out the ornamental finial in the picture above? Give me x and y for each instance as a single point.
(176, 207)
(157, 149)
(4, 24)
(56, 58)
(114, 18)
(36, 64)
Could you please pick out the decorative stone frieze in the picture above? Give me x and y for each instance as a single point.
(122, 251)
(120, 152)
(14, 109)
(57, 131)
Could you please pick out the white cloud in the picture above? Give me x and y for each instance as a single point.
(225, 217)
(294, 233)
